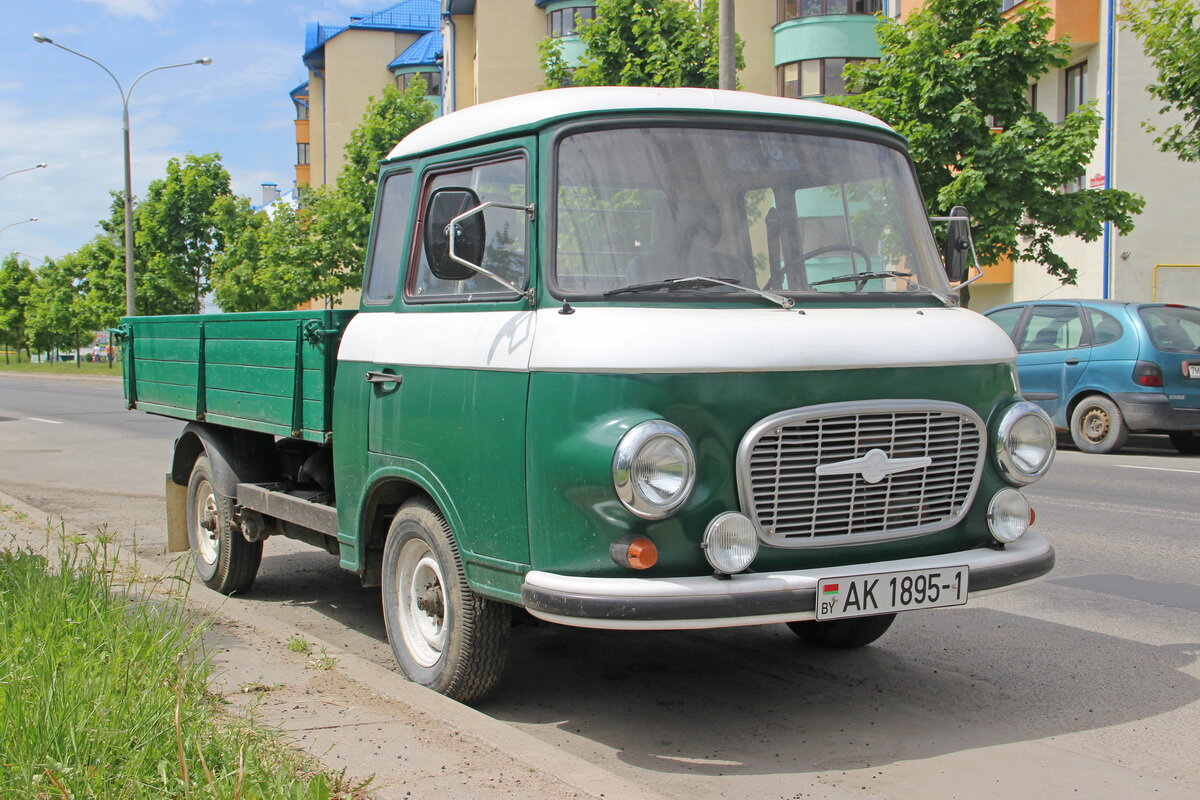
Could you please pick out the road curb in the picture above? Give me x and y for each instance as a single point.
(572, 771)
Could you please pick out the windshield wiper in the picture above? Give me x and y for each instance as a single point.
(866, 276)
(696, 282)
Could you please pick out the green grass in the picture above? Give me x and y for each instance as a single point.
(62, 368)
(103, 695)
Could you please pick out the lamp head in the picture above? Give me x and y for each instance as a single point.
(204, 61)
(37, 37)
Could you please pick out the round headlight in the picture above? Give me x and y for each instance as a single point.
(1008, 515)
(1024, 443)
(730, 542)
(654, 469)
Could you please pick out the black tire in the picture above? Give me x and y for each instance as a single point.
(843, 634)
(1097, 425)
(224, 560)
(1186, 442)
(443, 635)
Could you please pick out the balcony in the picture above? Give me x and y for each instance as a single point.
(1078, 20)
(302, 132)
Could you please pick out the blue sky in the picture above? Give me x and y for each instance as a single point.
(62, 110)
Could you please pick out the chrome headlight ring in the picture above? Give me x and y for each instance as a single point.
(1025, 443)
(654, 469)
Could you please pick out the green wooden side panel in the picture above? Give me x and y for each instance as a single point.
(237, 369)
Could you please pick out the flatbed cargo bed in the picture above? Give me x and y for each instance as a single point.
(270, 372)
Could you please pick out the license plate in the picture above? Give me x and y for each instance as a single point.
(1193, 370)
(885, 592)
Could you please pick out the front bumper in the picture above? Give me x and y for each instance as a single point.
(755, 598)
(1144, 411)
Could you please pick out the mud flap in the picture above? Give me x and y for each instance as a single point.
(177, 535)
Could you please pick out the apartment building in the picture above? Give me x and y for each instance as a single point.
(472, 51)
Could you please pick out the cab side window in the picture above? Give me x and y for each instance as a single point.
(505, 250)
(387, 253)
(1052, 328)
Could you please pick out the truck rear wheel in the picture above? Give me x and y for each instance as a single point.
(443, 635)
(225, 561)
(844, 634)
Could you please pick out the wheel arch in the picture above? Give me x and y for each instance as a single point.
(236, 456)
(1079, 396)
(387, 491)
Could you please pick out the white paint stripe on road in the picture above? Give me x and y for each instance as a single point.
(1158, 469)
(48, 421)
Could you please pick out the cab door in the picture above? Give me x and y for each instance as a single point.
(1052, 354)
(451, 364)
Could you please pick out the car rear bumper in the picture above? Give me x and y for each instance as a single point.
(755, 598)
(1154, 412)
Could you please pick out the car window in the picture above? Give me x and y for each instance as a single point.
(505, 253)
(1007, 319)
(1105, 327)
(1175, 328)
(1052, 328)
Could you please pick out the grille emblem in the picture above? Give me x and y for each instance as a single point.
(874, 466)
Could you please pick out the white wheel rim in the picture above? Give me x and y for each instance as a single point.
(208, 539)
(421, 602)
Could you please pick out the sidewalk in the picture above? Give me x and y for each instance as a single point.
(354, 715)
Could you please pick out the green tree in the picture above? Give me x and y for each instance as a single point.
(642, 43)
(953, 79)
(16, 284)
(57, 316)
(177, 236)
(281, 260)
(1170, 32)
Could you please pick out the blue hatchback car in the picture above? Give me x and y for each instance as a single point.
(1103, 369)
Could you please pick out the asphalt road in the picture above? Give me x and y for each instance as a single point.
(1085, 684)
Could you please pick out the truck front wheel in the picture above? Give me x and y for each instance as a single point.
(443, 635)
(225, 561)
(844, 634)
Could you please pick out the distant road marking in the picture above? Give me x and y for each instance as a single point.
(48, 421)
(1131, 466)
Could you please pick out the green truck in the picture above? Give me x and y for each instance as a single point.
(625, 358)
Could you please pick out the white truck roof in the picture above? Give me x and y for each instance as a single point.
(533, 110)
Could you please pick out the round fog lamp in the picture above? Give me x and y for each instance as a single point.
(1009, 515)
(730, 542)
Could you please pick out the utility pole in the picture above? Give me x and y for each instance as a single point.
(726, 52)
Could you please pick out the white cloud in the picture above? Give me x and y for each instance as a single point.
(146, 9)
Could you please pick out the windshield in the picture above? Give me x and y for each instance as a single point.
(793, 213)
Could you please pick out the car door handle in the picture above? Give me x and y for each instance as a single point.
(384, 377)
(1070, 362)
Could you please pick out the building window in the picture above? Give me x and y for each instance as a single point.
(815, 77)
(1005, 5)
(1031, 97)
(1076, 88)
(433, 82)
(301, 109)
(301, 153)
(793, 9)
(566, 21)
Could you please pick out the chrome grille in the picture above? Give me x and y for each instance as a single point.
(914, 466)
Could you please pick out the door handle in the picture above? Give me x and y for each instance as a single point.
(384, 377)
(1070, 362)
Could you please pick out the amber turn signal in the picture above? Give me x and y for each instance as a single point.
(634, 552)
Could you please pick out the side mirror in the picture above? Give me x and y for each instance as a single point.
(958, 244)
(469, 233)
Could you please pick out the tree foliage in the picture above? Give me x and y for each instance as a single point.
(57, 315)
(16, 284)
(294, 255)
(1170, 32)
(954, 79)
(642, 43)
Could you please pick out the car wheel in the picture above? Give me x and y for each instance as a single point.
(1097, 425)
(843, 634)
(443, 635)
(1186, 442)
(224, 560)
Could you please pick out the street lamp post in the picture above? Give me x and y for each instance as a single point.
(27, 169)
(130, 299)
(18, 222)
